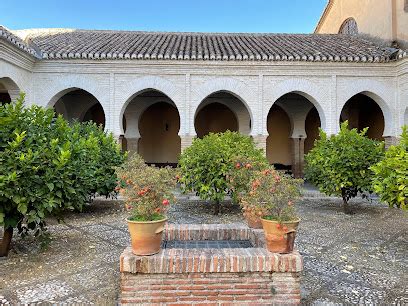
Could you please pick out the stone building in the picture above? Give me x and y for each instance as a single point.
(157, 91)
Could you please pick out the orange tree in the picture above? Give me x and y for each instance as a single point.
(391, 174)
(48, 167)
(339, 165)
(204, 165)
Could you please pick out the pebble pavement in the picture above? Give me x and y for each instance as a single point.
(358, 259)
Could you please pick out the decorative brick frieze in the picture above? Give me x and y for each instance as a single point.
(211, 275)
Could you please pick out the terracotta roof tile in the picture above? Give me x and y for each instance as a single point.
(7, 35)
(94, 44)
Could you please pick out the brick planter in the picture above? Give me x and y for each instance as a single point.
(211, 264)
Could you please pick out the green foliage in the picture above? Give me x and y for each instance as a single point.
(391, 174)
(48, 166)
(148, 191)
(272, 196)
(340, 165)
(205, 164)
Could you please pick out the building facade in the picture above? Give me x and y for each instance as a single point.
(386, 20)
(157, 91)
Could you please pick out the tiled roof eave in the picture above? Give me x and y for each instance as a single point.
(331, 58)
(10, 38)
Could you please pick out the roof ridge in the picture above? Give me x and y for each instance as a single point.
(50, 30)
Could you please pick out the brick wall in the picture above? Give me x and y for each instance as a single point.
(211, 276)
(211, 288)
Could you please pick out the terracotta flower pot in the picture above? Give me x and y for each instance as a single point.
(280, 237)
(146, 236)
(253, 221)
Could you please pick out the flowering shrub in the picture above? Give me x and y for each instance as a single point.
(242, 174)
(148, 191)
(272, 196)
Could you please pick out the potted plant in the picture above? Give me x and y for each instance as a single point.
(148, 192)
(239, 178)
(272, 197)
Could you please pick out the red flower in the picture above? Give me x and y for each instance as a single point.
(237, 165)
(248, 166)
(166, 202)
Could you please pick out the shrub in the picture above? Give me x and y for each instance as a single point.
(272, 196)
(205, 164)
(340, 165)
(46, 168)
(391, 174)
(148, 190)
(104, 179)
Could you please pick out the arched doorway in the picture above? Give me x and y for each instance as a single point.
(151, 123)
(78, 104)
(362, 111)
(222, 111)
(8, 90)
(312, 126)
(278, 143)
(215, 118)
(293, 125)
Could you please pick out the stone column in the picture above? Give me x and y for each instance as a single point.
(260, 142)
(298, 152)
(390, 141)
(122, 142)
(132, 145)
(186, 141)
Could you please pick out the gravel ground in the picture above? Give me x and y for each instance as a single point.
(348, 259)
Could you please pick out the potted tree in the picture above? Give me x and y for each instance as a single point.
(272, 197)
(239, 179)
(148, 192)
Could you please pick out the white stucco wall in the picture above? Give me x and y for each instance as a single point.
(258, 85)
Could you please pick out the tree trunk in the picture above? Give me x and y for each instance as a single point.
(6, 242)
(217, 208)
(346, 207)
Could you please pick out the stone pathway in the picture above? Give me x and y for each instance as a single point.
(348, 259)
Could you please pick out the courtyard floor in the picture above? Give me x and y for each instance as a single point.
(347, 259)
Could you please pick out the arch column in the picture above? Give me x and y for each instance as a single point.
(132, 134)
(260, 142)
(186, 141)
(298, 156)
(390, 141)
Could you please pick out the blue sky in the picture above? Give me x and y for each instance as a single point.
(294, 16)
